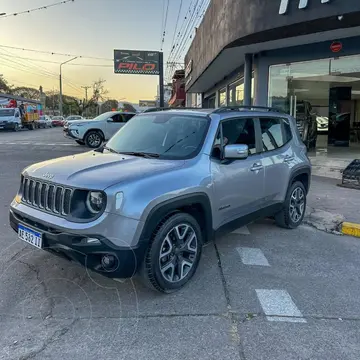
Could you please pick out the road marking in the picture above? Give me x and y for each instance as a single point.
(279, 306)
(252, 256)
(242, 231)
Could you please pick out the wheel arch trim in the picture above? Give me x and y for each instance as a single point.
(171, 206)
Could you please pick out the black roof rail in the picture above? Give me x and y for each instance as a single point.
(171, 108)
(245, 107)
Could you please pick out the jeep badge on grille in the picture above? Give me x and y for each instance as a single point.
(48, 176)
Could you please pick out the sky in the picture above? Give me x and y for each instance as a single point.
(91, 28)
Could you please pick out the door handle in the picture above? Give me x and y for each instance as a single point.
(288, 158)
(256, 167)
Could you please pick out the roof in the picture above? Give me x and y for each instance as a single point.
(19, 98)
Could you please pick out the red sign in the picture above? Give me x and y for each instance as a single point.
(336, 46)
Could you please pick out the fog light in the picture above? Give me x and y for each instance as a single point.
(108, 262)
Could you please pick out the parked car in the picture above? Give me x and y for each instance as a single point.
(44, 121)
(93, 132)
(322, 124)
(162, 187)
(58, 121)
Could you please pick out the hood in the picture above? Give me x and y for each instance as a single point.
(95, 170)
(322, 120)
(7, 118)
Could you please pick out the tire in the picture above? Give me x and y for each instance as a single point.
(16, 128)
(292, 214)
(80, 142)
(31, 126)
(167, 248)
(93, 139)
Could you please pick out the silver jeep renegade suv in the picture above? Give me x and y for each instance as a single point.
(164, 185)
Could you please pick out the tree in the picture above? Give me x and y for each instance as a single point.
(4, 86)
(26, 92)
(90, 107)
(109, 105)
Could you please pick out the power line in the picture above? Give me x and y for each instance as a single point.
(13, 56)
(165, 23)
(37, 9)
(162, 23)
(54, 53)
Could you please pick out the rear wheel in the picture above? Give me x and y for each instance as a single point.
(292, 214)
(174, 253)
(93, 139)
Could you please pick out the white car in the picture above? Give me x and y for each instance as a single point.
(72, 118)
(45, 121)
(322, 123)
(93, 132)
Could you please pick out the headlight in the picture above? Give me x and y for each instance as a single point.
(95, 201)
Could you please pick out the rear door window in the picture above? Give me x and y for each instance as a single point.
(275, 133)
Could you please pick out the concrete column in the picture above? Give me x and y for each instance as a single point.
(227, 95)
(247, 79)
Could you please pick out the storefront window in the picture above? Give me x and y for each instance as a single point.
(236, 90)
(222, 97)
(324, 91)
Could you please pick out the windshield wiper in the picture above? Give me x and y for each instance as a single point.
(140, 153)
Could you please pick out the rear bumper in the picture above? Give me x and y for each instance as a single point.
(73, 247)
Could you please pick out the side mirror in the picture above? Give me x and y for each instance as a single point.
(109, 120)
(236, 151)
(17, 115)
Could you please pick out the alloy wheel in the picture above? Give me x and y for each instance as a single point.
(178, 253)
(297, 204)
(94, 140)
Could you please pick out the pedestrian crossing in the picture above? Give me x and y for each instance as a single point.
(277, 304)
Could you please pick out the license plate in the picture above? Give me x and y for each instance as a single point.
(30, 236)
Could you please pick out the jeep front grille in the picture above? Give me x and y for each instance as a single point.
(45, 196)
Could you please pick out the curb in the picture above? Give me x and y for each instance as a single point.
(349, 228)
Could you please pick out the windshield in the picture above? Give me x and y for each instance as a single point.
(7, 112)
(42, 117)
(57, 118)
(171, 136)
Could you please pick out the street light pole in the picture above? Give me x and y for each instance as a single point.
(61, 102)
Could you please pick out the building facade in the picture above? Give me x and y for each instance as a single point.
(301, 56)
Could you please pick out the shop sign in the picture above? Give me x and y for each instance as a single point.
(336, 46)
(188, 68)
(136, 62)
(303, 4)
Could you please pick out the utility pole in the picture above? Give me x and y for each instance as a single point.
(86, 96)
(61, 102)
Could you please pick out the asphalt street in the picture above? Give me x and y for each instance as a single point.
(261, 293)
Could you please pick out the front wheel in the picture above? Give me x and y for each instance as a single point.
(16, 128)
(93, 139)
(174, 253)
(292, 214)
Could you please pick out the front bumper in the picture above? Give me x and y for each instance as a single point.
(73, 246)
(7, 126)
(70, 135)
